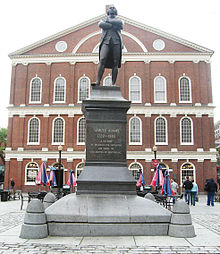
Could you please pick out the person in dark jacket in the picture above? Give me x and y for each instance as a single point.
(12, 184)
(211, 187)
(188, 186)
(12, 192)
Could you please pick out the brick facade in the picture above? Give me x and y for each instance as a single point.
(178, 59)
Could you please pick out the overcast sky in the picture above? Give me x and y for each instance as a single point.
(24, 22)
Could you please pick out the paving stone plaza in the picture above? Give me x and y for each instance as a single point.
(206, 221)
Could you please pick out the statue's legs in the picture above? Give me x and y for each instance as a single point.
(105, 49)
(116, 58)
(103, 58)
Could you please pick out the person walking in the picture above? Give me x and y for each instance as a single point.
(12, 184)
(175, 187)
(188, 186)
(194, 193)
(12, 192)
(211, 188)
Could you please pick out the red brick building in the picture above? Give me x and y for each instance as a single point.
(167, 79)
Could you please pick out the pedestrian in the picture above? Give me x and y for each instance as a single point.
(12, 188)
(211, 188)
(194, 193)
(12, 184)
(174, 186)
(187, 185)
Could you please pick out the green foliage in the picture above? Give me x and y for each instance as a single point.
(3, 138)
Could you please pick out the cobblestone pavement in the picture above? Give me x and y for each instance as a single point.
(10, 220)
(51, 249)
(206, 221)
(211, 222)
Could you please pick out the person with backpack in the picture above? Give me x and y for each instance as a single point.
(188, 186)
(211, 188)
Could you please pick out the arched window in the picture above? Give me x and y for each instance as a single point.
(58, 131)
(187, 169)
(135, 131)
(135, 89)
(160, 90)
(83, 88)
(186, 130)
(34, 131)
(107, 81)
(185, 90)
(135, 167)
(31, 171)
(79, 169)
(81, 131)
(96, 49)
(59, 90)
(160, 131)
(164, 166)
(35, 90)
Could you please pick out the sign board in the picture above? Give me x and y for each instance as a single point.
(155, 162)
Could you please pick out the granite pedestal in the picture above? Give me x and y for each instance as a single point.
(106, 202)
(105, 170)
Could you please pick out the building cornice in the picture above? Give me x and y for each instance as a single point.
(135, 109)
(146, 57)
(131, 155)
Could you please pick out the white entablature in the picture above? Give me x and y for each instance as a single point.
(131, 155)
(145, 57)
(142, 110)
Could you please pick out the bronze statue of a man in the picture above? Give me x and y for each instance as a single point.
(110, 49)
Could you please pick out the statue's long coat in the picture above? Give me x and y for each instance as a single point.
(109, 62)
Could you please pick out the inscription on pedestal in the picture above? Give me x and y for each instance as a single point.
(105, 142)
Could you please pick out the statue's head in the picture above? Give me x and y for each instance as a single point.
(112, 10)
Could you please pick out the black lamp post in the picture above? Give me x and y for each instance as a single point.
(60, 185)
(155, 152)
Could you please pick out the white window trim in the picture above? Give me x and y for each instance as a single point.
(105, 80)
(167, 167)
(135, 143)
(135, 162)
(160, 143)
(96, 49)
(190, 87)
(25, 182)
(78, 169)
(194, 172)
(192, 137)
(138, 101)
(58, 143)
(35, 102)
(33, 143)
(77, 136)
(165, 82)
(58, 102)
(78, 101)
